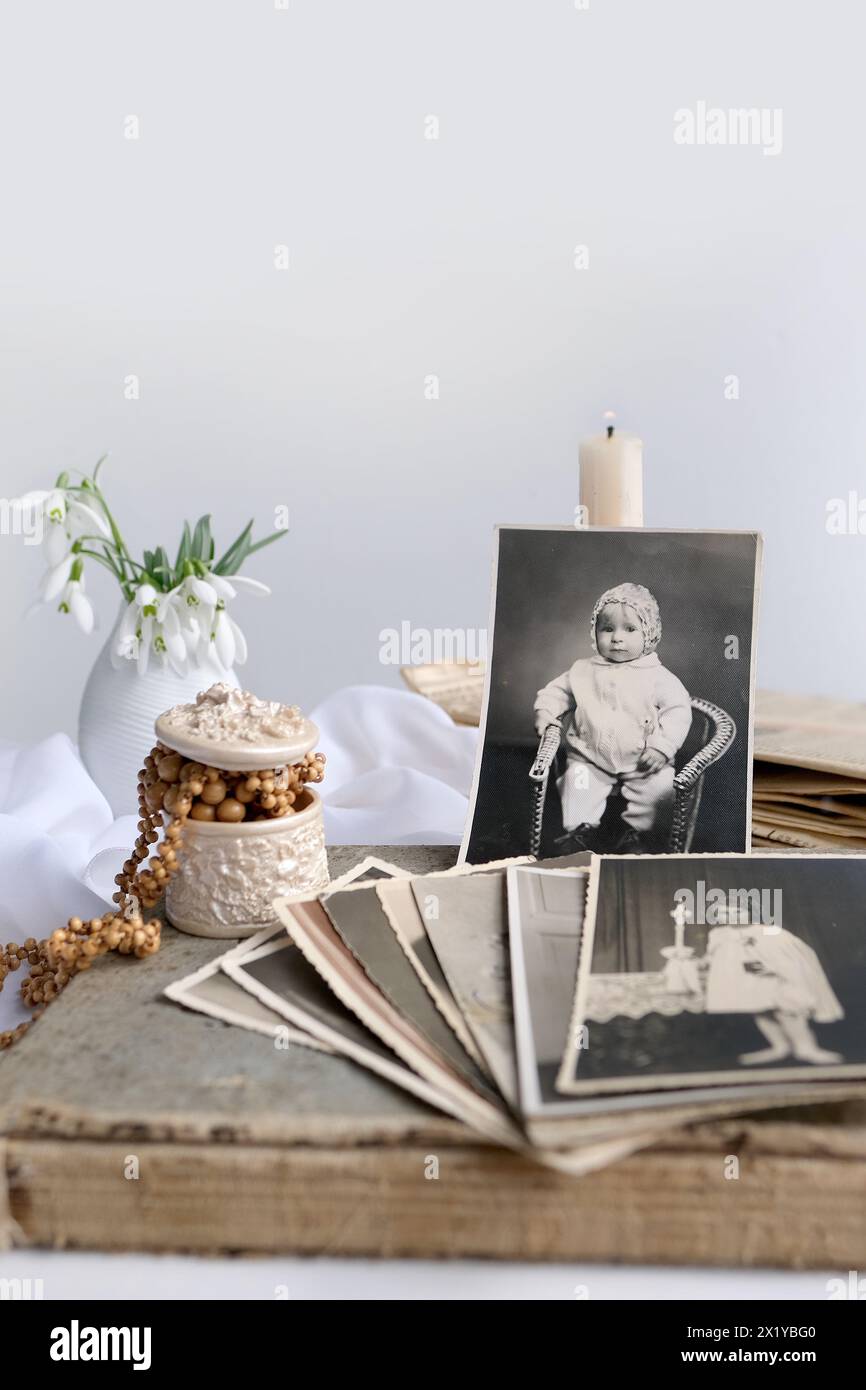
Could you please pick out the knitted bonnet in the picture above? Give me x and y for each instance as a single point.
(644, 605)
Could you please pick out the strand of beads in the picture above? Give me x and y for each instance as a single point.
(73, 948)
(167, 787)
(204, 793)
(67, 952)
(160, 775)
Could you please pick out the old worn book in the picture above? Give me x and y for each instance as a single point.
(242, 1145)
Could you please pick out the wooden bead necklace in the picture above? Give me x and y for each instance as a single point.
(168, 786)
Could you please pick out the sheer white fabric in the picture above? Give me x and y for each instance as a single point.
(399, 772)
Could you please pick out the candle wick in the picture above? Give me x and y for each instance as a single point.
(610, 431)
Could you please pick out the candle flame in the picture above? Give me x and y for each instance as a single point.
(609, 417)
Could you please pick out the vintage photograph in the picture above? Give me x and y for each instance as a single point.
(704, 969)
(619, 699)
(545, 923)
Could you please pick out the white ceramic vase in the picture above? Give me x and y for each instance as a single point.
(117, 715)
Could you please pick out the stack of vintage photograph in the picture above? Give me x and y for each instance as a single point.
(606, 961)
(570, 1012)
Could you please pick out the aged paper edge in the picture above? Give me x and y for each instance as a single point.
(179, 990)
(447, 1006)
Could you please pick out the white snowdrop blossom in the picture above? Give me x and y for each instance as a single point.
(193, 592)
(76, 602)
(150, 627)
(225, 640)
(176, 611)
(54, 579)
(62, 519)
(189, 625)
(222, 642)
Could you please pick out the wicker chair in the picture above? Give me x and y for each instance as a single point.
(715, 733)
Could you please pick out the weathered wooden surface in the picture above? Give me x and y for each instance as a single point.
(243, 1146)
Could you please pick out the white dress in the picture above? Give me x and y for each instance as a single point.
(754, 969)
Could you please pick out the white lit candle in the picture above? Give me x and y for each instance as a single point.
(611, 477)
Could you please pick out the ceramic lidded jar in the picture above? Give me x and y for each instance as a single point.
(229, 874)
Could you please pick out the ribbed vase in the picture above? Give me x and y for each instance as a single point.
(117, 715)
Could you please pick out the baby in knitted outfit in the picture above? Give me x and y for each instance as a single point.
(624, 716)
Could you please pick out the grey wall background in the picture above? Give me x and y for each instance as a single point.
(408, 257)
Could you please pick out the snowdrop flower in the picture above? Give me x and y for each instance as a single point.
(127, 639)
(62, 519)
(193, 603)
(54, 579)
(150, 626)
(84, 520)
(167, 638)
(194, 591)
(217, 637)
(175, 614)
(209, 588)
(45, 514)
(229, 641)
(226, 644)
(74, 600)
(250, 586)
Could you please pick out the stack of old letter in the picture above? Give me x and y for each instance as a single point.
(810, 773)
(574, 1010)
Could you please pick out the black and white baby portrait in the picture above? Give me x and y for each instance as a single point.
(618, 708)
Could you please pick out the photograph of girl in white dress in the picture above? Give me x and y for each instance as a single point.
(724, 990)
(619, 692)
(766, 971)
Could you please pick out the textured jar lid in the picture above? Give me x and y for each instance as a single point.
(231, 729)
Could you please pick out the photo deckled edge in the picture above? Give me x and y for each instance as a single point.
(568, 1065)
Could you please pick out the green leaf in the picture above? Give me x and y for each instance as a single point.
(268, 540)
(231, 566)
(183, 551)
(162, 567)
(236, 553)
(153, 562)
(202, 543)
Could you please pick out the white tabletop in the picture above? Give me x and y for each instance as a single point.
(67, 1275)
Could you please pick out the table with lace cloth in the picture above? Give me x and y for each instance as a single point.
(636, 994)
